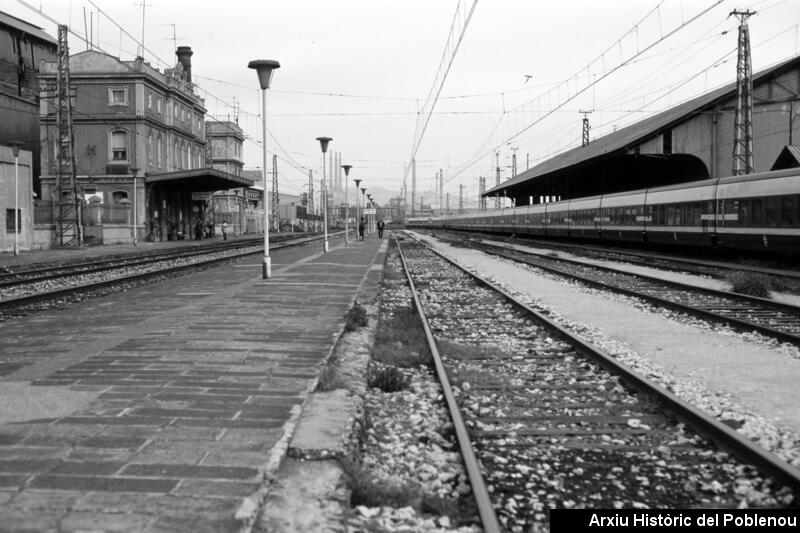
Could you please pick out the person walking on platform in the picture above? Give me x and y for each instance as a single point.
(198, 230)
(361, 229)
(380, 229)
(224, 231)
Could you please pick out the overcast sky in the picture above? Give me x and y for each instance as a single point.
(359, 70)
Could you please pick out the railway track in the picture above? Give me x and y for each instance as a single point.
(741, 312)
(57, 285)
(547, 421)
(715, 269)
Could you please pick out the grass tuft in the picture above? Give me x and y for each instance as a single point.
(389, 379)
(356, 318)
(400, 340)
(750, 284)
(370, 490)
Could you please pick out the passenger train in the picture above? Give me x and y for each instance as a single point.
(754, 212)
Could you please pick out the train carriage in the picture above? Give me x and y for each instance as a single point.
(682, 214)
(622, 216)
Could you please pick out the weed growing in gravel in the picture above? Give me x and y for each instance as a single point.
(750, 284)
(388, 379)
(370, 490)
(356, 317)
(400, 340)
(329, 378)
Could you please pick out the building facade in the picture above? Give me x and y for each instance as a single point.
(16, 194)
(140, 148)
(22, 47)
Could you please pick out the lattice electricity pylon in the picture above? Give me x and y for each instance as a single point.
(585, 136)
(276, 200)
(743, 162)
(481, 197)
(67, 201)
(311, 207)
(497, 181)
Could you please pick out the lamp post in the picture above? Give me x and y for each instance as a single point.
(265, 68)
(134, 170)
(346, 206)
(372, 216)
(15, 146)
(323, 143)
(364, 203)
(358, 205)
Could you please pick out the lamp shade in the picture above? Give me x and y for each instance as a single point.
(358, 182)
(323, 142)
(347, 171)
(15, 146)
(264, 68)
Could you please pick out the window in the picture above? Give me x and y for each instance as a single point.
(118, 196)
(150, 149)
(787, 211)
(149, 100)
(158, 104)
(117, 96)
(176, 157)
(158, 151)
(10, 225)
(771, 211)
(758, 212)
(119, 146)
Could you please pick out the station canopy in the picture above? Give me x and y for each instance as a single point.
(198, 180)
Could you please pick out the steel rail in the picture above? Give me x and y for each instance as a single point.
(723, 436)
(480, 492)
(66, 291)
(644, 257)
(734, 322)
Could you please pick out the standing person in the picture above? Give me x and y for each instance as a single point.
(380, 229)
(198, 230)
(361, 229)
(224, 230)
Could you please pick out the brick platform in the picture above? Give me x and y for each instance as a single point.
(162, 408)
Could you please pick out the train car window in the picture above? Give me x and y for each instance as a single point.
(697, 212)
(670, 215)
(731, 208)
(684, 215)
(744, 213)
(758, 212)
(662, 214)
(771, 211)
(787, 211)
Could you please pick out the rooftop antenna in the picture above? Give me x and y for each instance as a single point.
(174, 38)
(143, 4)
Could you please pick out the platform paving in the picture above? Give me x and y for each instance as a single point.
(167, 407)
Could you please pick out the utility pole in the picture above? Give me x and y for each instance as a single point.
(276, 200)
(585, 137)
(514, 162)
(69, 217)
(743, 123)
(311, 209)
(441, 187)
(460, 198)
(448, 203)
(413, 186)
(497, 182)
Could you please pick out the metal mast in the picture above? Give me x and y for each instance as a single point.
(68, 214)
(311, 208)
(460, 198)
(441, 187)
(514, 162)
(743, 123)
(497, 181)
(481, 197)
(276, 200)
(413, 185)
(585, 137)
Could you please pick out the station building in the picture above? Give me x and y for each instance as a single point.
(140, 148)
(22, 47)
(691, 141)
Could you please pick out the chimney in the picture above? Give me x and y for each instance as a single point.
(184, 54)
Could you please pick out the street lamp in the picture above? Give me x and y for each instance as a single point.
(323, 143)
(346, 206)
(364, 203)
(370, 217)
(134, 170)
(358, 218)
(265, 68)
(15, 146)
